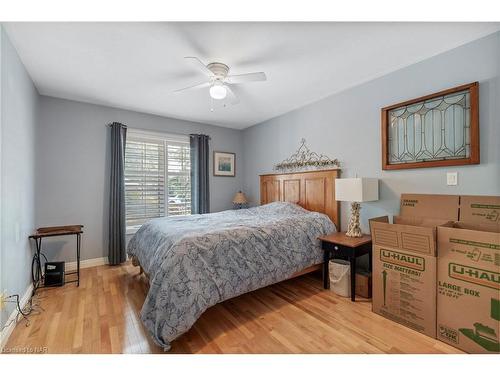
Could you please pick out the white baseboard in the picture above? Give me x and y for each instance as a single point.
(87, 263)
(6, 332)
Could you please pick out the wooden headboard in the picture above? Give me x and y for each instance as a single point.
(313, 190)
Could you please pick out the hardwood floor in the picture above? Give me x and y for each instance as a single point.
(295, 316)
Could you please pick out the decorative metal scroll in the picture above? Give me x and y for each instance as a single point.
(434, 129)
(304, 159)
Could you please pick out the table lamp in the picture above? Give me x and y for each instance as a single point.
(356, 190)
(239, 200)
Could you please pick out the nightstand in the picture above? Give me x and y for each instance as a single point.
(338, 245)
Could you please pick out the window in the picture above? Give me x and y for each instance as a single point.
(157, 177)
(436, 130)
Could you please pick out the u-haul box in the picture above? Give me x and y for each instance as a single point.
(404, 260)
(484, 210)
(435, 206)
(468, 309)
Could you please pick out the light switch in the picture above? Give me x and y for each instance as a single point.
(452, 178)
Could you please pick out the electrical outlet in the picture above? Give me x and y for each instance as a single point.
(452, 178)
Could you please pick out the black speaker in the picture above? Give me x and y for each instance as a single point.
(54, 274)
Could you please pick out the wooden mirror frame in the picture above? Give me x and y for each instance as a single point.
(473, 158)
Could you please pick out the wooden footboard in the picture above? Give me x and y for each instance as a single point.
(310, 269)
(136, 263)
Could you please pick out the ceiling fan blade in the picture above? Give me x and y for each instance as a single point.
(194, 87)
(231, 96)
(248, 77)
(199, 65)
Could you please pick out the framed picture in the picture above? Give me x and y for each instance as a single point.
(224, 164)
(436, 130)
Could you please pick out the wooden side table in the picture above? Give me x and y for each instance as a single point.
(66, 230)
(338, 245)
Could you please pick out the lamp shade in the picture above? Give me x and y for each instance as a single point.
(356, 189)
(239, 198)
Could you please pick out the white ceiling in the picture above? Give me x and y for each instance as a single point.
(137, 66)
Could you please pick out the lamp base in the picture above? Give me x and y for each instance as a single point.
(239, 206)
(354, 229)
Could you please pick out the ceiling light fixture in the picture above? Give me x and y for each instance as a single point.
(218, 90)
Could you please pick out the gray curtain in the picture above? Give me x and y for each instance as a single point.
(117, 226)
(200, 193)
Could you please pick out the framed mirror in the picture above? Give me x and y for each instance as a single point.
(441, 129)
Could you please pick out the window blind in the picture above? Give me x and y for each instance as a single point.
(157, 177)
(179, 178)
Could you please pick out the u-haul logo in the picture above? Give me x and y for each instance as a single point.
(474, 275)
(448, 334)
(405, 260)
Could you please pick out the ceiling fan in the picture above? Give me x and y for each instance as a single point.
(219, 80)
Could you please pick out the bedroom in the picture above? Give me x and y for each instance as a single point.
(202, 219)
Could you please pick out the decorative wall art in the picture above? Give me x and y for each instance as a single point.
(305, 159)
(224, 164)
(436, 130)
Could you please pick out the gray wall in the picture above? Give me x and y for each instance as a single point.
(72, 165)
(347, 126)
(19, 107)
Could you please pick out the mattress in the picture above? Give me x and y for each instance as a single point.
(197, 261)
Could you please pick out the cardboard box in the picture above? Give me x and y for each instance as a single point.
(412, 234)
(468, 309)
(404, 271)
(480, 209)
(364, 284)
(433, 206)
(405, 260)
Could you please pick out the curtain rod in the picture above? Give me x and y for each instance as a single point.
(146, 130)
(111, 123)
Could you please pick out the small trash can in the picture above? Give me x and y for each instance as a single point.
(340, 277)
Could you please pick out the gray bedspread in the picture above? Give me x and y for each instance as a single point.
(197, 261)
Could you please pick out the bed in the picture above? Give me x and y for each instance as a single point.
(194, 262)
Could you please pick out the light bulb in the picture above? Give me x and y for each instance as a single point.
(218, 91)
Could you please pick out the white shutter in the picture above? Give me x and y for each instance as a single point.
(179, 179)
(157, 177)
